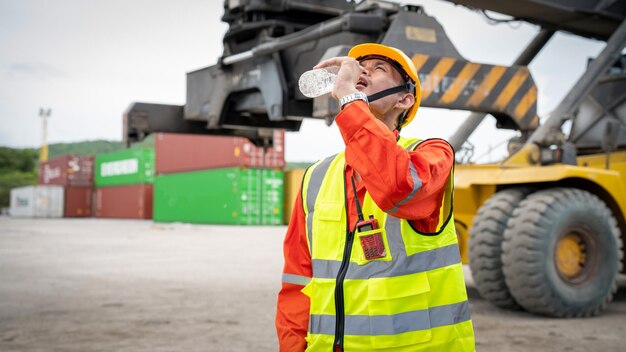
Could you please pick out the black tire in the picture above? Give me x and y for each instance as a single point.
(485, 246)
(539, 224)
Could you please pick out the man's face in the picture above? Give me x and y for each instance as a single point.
(376, 76)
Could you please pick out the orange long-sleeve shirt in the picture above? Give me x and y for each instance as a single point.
(382, 168)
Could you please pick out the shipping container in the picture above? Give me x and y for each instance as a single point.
(78, 202)
(235, 196)
(125, 167)
(272, 194)
(293, 182)
(176, 153)
(124, 202)
(67, 170)
(41, 201)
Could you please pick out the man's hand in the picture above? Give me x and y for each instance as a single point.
(347, 77)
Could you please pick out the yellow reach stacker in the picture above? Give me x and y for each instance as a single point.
(546, 226)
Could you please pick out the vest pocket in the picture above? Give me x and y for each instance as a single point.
(329, 211)
(398, 310)
(328, 231)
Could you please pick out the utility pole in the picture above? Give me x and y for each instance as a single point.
(44, 114)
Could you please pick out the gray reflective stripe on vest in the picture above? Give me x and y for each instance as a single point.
(296, 279)
(417, 184)
(315, 183)
(413, 145)
(419, 262)
(376, 325)
(400, 265)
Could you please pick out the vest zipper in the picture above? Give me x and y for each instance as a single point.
(343, 269)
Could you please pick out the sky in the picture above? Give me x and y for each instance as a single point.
(88, 60)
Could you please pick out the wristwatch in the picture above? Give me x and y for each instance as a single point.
(352, 97)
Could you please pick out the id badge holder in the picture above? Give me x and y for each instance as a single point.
(372, 242)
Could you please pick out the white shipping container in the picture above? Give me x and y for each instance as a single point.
(41, 201)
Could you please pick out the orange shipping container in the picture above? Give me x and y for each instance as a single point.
(78, 202)
(176, 153)
(67, 170)
(124, 202)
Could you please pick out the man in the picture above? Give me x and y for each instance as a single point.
(371, 254)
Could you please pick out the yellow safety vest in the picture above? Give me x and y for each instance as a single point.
(412, 299)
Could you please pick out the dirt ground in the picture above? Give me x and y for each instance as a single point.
(126, 285)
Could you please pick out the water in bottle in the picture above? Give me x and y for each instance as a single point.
(318, 82)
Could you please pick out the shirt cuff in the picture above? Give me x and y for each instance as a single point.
(352, 118)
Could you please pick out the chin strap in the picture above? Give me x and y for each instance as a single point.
(407, 87)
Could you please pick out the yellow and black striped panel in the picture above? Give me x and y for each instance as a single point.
(509, 93)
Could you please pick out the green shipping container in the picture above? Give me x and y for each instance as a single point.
(272, 196)
(232, 196)
(125, 167)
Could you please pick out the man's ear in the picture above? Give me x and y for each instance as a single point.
(405, 101)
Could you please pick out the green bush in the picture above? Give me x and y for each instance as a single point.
(13, 179)
(18, 167)
(24, 160)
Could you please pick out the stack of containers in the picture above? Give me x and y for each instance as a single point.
(218, 180)
(124, 184)
(74, 173)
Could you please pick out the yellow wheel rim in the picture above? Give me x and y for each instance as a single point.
(570, 255)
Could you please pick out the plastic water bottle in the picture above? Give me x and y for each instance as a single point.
(318, 82)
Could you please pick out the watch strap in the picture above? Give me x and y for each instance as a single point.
(352, 97)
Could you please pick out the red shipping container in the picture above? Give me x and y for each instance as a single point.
(183, 152)
(67, 170)
(124, 202)
(78, 202)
